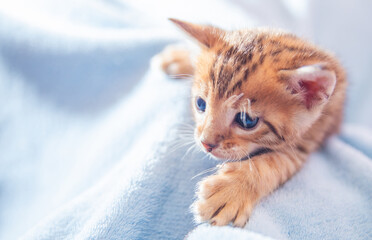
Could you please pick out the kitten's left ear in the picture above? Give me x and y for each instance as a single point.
(207, 35)
(315, 83)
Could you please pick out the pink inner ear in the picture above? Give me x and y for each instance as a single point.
(311, 91)
(313, 83)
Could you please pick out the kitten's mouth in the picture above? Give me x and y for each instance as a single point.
(253, 150)
(254, 153)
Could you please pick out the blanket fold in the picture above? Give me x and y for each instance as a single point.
(97, 143)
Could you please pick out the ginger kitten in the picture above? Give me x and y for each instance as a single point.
(263, 100)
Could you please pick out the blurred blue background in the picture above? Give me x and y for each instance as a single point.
(70, 73)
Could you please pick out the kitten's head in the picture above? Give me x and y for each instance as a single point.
(256, 89)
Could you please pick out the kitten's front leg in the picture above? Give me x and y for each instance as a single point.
(231, 194)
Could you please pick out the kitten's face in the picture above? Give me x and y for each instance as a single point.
(243, 100)
(255, 89)
(237, 115)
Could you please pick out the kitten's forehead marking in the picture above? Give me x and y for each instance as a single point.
(236, 61)
(233, 99)
(245, 105)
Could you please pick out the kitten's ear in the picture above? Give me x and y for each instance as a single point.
(207, 35)
(314, 83)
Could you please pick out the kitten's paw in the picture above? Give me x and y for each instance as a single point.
(176, 61)
(222, 199)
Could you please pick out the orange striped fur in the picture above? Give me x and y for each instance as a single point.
(295, 89)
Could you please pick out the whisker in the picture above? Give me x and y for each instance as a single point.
(185, 126)
(183, 143)
(190, 148)
(206, 155)
(205, 171)
(250, 161)
(186, 135)
(249, 108)
(179, 145)
(182, 74)
(187, 152)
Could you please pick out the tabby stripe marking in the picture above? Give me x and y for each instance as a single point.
(234, 88)
(302, 149)
(236, 215)
(254, 67)
(218, 211)
(256, 153)
(253, 154)
(262, 58)
(273, 129)
(212, 71)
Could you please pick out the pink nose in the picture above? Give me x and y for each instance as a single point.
(209, 147)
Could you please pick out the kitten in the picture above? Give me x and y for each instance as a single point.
(263, 100)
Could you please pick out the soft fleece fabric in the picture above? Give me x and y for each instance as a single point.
(90, 131)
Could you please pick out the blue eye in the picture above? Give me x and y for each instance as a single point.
(245, 121)
(200, 104)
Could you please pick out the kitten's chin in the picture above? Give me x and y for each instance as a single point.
(223, 155)
(218, 157)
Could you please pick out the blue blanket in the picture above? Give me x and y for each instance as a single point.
(95, 140)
